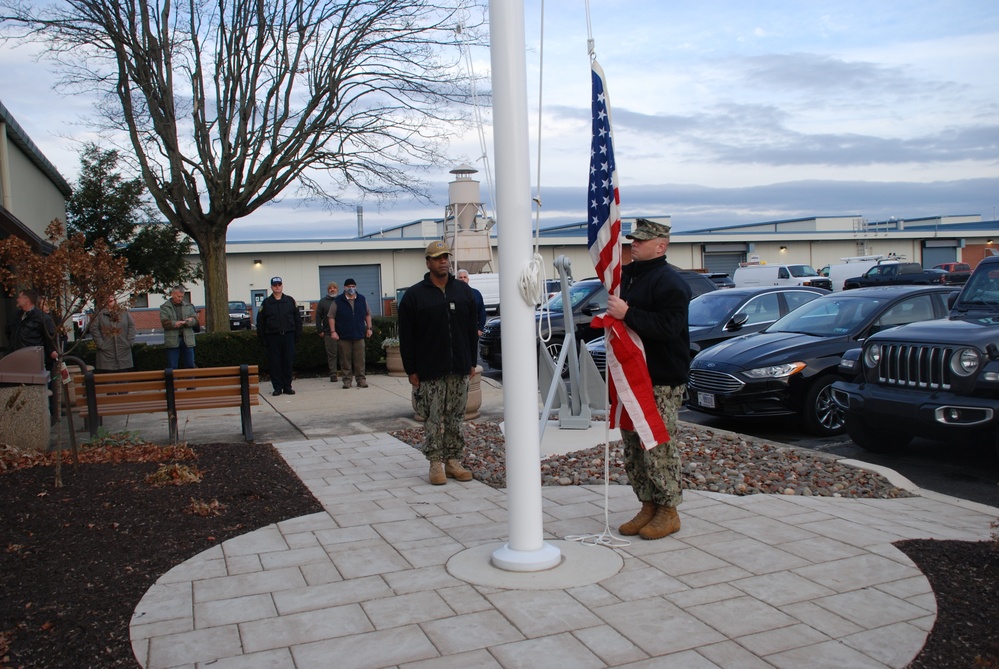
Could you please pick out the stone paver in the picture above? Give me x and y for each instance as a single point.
(755, 581)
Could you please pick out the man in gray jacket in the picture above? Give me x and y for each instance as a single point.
(178, 319)
(325, 314)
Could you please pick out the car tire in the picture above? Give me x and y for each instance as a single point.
(820, 415)
(554, 351)
(874, 439)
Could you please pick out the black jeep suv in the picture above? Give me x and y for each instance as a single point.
(936, 379)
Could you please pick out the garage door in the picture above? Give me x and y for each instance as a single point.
(368, 278)
(937, 255)
(723, 262)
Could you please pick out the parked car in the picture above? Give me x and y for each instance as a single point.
(852, 266)
(894, 274)
(779, 275)
(937, 379)
(788, 369)
(723, 314)
(81, 321)
(553, 287)
(589, 299)
(239, 316)
(721, 279)
(699, 283)
(957, 272)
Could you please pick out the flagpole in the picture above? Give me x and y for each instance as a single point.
(526, 549)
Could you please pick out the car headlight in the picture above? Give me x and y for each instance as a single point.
(775, 371)
(965, 362)
(872, 356)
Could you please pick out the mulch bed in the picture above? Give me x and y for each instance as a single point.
(964, 576)
(75, 561)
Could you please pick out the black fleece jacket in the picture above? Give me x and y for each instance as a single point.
(438, 329)
(657, 300)
(279, 317)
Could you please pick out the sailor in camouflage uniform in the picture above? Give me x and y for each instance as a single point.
(438, 342)
(653, 303)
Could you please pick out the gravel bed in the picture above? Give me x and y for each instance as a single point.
(713, 460)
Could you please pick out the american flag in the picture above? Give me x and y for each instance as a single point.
(632, 402)
(604, 228)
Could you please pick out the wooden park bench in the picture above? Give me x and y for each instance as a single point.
(168, 391)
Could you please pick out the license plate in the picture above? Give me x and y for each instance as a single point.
(706, 400)
(484, 350)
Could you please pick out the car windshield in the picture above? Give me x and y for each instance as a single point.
(829, 316)
(237, 306)
(982, 288)
(712, 308)
(577, 293)
(802, 270)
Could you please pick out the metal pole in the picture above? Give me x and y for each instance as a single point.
(526, 549)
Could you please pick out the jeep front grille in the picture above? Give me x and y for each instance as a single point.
(915, 366)
(714, 382)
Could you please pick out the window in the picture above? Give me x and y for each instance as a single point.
(782, 273)
(762, 309)
(796, 298)
(918, 308)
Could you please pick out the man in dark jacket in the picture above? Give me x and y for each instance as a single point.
(653, 303)
(438, 340)
(352, 326)
(480, 305)
(33, 327)
(279, 327)
(325, 313)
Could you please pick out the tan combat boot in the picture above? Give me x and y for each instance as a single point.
(643, 518)
(437, 473)
(665, 523)
(454, 470)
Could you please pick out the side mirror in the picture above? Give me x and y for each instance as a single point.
(737, 321)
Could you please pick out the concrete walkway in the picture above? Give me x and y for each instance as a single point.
(395, 572)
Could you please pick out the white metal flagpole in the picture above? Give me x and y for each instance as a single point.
(526, 549)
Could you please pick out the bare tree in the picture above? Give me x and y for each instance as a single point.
(227, 103)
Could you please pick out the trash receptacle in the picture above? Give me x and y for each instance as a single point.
(24, 394)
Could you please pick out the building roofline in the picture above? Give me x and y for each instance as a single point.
(12, 226)
(20, 139)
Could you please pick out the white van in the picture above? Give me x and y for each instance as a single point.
(488, 285)
(779, 275)
(855, 266)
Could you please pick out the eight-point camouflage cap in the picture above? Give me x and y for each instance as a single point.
(645, 229)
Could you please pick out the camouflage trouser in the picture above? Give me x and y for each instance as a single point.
(442, 403)
(654, 474)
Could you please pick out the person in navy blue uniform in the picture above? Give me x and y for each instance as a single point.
(279, 327)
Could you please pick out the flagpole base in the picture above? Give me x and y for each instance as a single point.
(507, 558)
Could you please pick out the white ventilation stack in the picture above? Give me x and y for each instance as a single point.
(466, 228)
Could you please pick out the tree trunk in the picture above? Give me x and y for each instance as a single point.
(211, 247)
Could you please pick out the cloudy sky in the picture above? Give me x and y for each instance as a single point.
(724, 112)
